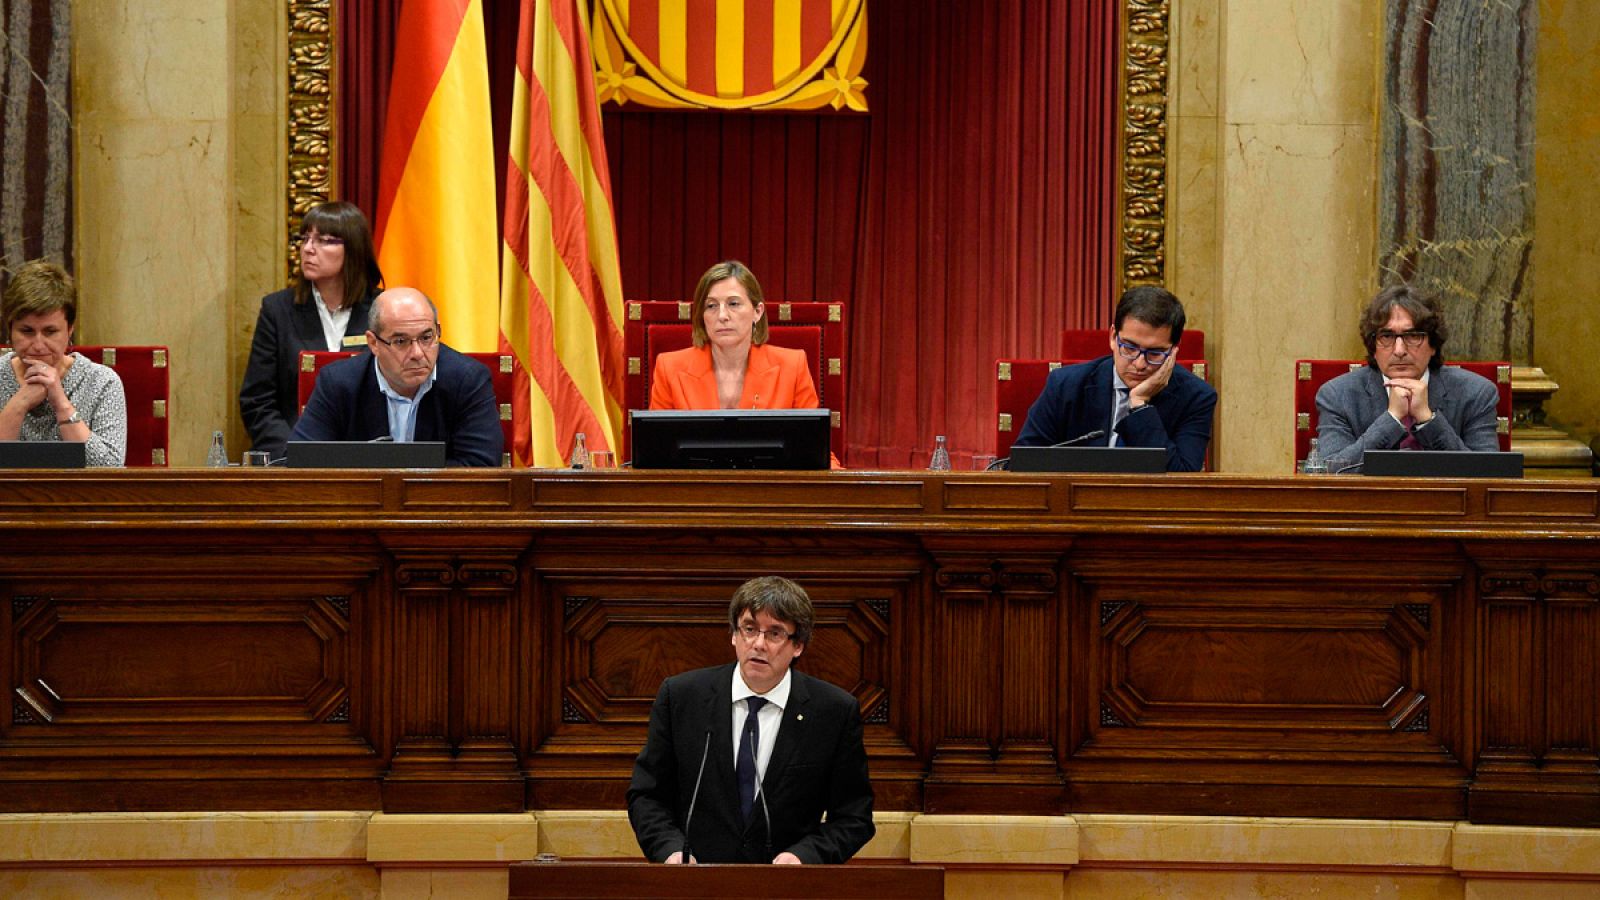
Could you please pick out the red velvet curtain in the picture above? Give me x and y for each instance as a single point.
(970, 216)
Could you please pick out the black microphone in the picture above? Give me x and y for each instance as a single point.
(695, 796)
(1098, 432)
(766, 817)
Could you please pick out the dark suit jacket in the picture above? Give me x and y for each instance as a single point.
(1353, 416)
(459, 409)
(1076, 400)
(269, 399)
(818, 765)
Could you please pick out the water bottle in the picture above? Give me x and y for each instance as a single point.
(580, 452)
(217, 458)
(940, 462)
(1315, 464)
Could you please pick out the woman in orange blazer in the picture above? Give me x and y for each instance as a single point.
(731, 366)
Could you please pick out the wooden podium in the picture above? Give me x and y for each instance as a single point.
(615, 880)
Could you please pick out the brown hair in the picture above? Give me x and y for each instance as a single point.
(781, 598)
(39, 287)
(1425, 317)
(360, 274)
(1153, 305)
(739, 272)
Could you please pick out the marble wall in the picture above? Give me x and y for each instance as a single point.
(179, 175)
(1456, 198)
(1273, 198)
(35, 133)
(1566, 245)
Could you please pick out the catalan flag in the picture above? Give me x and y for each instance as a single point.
(436, 207)
(561, 291)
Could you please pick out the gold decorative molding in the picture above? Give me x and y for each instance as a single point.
(310, 113)
(1145, 62)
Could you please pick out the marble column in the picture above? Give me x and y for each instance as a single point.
(1455, 200)
(35, 134)
(1456, 190)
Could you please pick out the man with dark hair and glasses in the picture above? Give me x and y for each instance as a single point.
(1405, 398)
(407, 386)
(743, 760)
(1138, 396)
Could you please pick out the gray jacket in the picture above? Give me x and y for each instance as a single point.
(1353, 416)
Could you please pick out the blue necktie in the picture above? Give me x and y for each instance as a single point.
(749, 740)
(1119, 413)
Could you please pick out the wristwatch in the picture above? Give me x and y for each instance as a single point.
(73, 419)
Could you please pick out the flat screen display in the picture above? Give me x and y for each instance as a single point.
(43, 455)
(730, 439)
(1442, 463)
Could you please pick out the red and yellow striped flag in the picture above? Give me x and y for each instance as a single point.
(436, 207)
(561, 300)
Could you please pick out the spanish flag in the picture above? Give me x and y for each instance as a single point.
(436, 207)
(561, 291)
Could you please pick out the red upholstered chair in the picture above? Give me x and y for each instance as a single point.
(1018, 382)
(1312, 374)
(1092, 343)
(143, 371)
(502, 374)
(658, 326)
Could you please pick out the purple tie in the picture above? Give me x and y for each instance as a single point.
(749, 740)
(1410, 442)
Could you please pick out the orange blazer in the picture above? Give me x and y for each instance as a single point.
(774, 378)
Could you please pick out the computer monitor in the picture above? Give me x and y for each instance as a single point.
(1121, 460)
(730, 439)
(1442, 463)
(43, 455)
(365, 455)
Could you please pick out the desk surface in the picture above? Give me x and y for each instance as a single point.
(490, 640)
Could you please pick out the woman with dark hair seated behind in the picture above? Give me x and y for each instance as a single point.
(325, 309)
(46, 392)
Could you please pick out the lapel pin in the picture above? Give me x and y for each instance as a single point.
(800, 718)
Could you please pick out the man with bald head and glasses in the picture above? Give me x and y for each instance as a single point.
(1138, 396)
(742, 761)
(407, 386)
(1405, 398)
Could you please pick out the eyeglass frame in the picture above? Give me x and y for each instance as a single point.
(748, 632)
(1413, 339)
(402, 344)
(1131, 351)
(324, 241)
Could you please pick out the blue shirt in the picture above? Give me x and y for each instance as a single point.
(402, 409)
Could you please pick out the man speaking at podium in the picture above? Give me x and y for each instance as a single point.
(742, 761)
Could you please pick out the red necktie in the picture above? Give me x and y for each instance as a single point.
(1410, 442)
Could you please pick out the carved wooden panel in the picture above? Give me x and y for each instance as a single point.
(1244, 655)
(165, 661)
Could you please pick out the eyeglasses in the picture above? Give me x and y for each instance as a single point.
(325, 241)
(1134, 351)
(401, 344)
(1413, 339)
(773, 635)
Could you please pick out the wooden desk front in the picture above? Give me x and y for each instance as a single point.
(491, 640)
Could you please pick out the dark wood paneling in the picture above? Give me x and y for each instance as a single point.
(491, 641)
